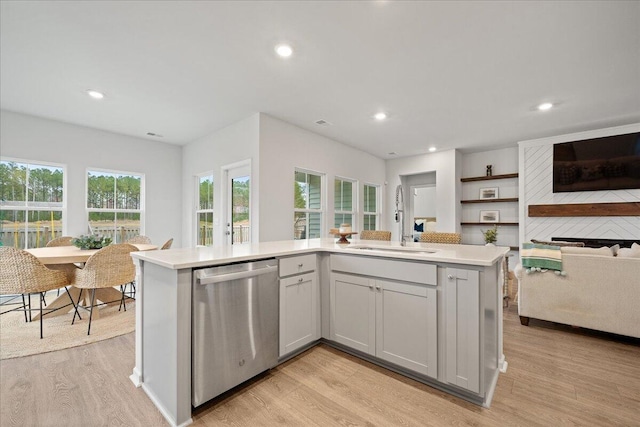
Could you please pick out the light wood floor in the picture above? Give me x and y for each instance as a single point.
(557, 376)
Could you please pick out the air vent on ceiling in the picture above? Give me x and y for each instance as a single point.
(154, 134)
(322, 123)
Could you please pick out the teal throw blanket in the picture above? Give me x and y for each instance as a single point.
(545, 257)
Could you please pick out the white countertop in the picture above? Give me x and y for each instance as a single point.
(208, 256)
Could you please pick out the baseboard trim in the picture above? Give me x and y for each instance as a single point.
(165, 413)
(136, 378)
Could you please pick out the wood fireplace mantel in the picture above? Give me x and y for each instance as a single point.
(585, 209)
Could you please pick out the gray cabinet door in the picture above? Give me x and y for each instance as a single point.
(406, 326)
(462, 328)
(298, 312)
(353, 312)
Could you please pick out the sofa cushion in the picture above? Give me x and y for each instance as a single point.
(604, 251)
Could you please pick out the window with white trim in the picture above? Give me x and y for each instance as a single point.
(115, 204)
(345, 203)
(31, 203)
(204, 209)
(308, 205)
(371, 207)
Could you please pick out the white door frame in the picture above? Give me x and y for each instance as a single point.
(230, 171)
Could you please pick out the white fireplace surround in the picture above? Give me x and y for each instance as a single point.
(536, 187)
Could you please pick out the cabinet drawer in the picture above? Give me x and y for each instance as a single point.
(297, 265)
(417, 272)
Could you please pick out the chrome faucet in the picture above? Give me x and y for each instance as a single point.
(400, 213)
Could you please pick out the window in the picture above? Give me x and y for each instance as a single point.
(344, 202)
(371, 207)
(115, 204)
(307, 189)
(204, 209)
(31, 203)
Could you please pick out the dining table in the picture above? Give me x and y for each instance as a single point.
(50, 256)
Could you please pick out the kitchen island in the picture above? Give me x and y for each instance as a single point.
(432, 312)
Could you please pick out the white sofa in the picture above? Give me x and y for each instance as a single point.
(599, 292)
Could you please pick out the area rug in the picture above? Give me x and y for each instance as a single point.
(18, 338)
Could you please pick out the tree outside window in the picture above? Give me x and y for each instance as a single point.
(371, 207)
(344, 202)
(114, 204)
(204, 210)
(31, 203)
(307, 205)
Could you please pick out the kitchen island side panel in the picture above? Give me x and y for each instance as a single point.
(166, 338)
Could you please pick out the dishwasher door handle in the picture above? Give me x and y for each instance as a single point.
(217, 278)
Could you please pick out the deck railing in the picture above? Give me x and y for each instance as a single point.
(37, 237)
(241, 234)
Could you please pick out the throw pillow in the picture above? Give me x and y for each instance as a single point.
(603, 251)
(558, 243)
(615, 249)
(419, 227)
(632, 252)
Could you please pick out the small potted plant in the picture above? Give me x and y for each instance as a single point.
(91, 242)
(490, 236)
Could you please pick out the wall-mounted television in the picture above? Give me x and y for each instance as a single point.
(608, 163)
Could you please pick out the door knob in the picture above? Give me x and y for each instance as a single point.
(451, 277)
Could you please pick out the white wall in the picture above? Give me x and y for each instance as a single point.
(446, 166)
(283, 147)
(424, 202)
(227, 146)
(503, 161)
(536, 187)
(81, 148)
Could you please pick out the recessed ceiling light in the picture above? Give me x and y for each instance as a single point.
(284, 50)
(392, 153)
(380, 116)
(95, 94)
(432, 149)
(545, 106)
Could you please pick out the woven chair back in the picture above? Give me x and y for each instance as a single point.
(23, 273)
(110, 266)
(435, 237)
(167, 244)
(60, 241)
(139, 239)
(375, 235)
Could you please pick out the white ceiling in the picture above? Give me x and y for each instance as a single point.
(461, 75)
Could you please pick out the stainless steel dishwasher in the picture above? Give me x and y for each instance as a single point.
(234, 326)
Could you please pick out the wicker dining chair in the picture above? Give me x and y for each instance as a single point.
(167, 244)
(23, 274)
(110, 266)
(67, 268)
(437, 237)
(375, 235)
(60, 241)
(139, 239)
